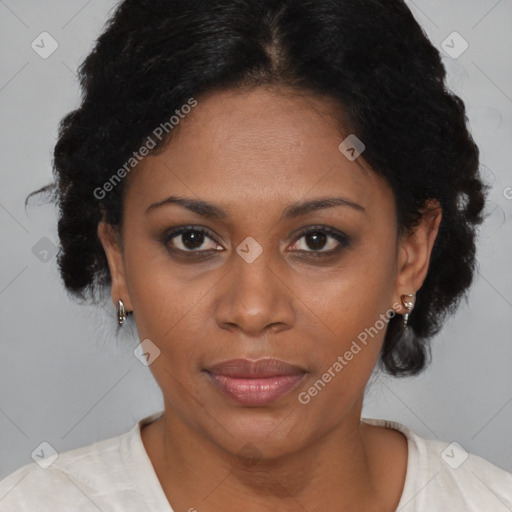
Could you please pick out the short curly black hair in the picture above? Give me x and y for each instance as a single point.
(370, 56)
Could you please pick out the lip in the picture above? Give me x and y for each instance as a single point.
(255, 383)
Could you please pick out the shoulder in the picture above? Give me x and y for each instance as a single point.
(463, 478)
(77, 477)
(444, 476)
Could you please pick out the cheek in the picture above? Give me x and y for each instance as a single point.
(354, 294)
(166, 299)
(355, 306)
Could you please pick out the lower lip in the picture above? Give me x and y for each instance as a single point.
(255, 392)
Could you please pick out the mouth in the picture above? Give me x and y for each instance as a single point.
(255, 383)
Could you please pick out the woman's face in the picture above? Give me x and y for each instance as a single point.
(256, 285)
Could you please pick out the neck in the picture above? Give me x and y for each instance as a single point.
(335, 472)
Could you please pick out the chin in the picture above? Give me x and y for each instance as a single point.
(257, 433)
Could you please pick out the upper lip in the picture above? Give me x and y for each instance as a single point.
(246, 369)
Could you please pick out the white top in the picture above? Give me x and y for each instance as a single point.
(116, 475)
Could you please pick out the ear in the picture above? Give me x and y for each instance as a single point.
(110, 240)
(414, 250)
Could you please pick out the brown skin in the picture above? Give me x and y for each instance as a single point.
(253, 153)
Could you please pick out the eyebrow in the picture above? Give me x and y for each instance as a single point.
(209, 210)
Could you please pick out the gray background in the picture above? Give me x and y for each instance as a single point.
(64, 376)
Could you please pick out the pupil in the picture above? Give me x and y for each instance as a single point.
(318, 238)
(193, 237)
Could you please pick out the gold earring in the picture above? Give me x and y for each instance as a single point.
(408, 303)
(121, 312)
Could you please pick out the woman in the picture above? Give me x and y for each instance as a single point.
(282, 194)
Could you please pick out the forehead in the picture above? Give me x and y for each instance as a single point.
(253, 148)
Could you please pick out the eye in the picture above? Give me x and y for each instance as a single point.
(192, 239)
(321, 237)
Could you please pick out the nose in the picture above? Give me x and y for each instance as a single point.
(253, 297)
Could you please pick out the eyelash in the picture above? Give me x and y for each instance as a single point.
(343, 239)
